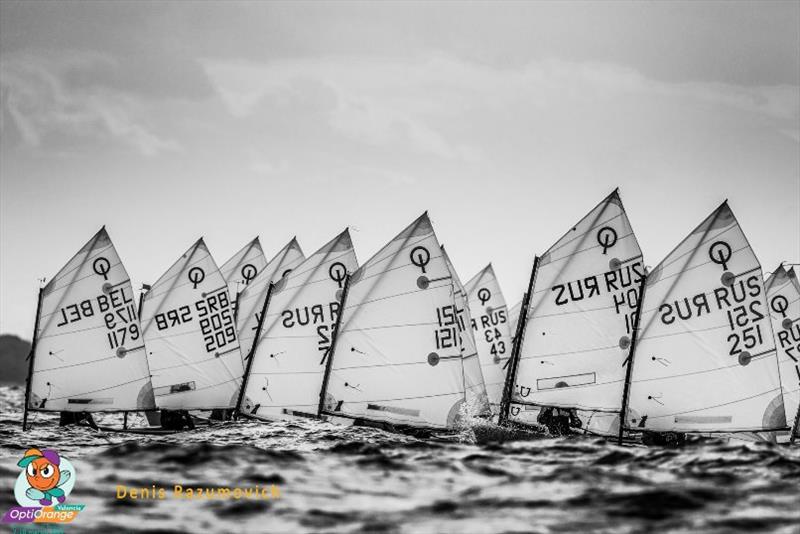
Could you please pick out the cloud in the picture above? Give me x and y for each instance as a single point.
(41, 104)
(430, 102)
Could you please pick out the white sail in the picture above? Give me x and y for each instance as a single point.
(513, 315)
(397, 358)
(474, 385)
(243, 268)
(251, 299)
(578, 331)
(190, 335)
(89, 353)
(288, 364)
(705, 358)
(491, 327)
(783, 298)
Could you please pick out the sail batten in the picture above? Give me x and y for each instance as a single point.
(88, 338)
(706, 359)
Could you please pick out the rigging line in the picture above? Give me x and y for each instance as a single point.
(690, 332)
(67, 332)
(162, 281)
(83, 262)
(272, 373)
(408, 245)
(602, 206)
(90, 249)
(692, 253)
(85, 277)
(587, 249)
(567, 353)
(761, 356)
(150, 295)
(192, 363)
(372, 401)
(443, 359)
(736, 401)
(49, 399)
(703, 240)
(382, 327)
(580, 310)
(688, 269)
(394, 295)
(78, 364)
(328, 257)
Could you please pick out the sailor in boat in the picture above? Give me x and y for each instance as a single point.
(559, 421)
(76, 418)
(176, 420)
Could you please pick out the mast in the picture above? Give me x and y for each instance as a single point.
(250, 354)
(30, 359)
(329, 356)
(794, 427)
(629, 370)
(511, 373)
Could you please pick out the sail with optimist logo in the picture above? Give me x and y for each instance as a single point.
(490, 321)
(783, 298)
(190, 335)
(705, 359)
(474, 386)
(251, 299)
(87, 353)
(577, 337)
(286, 374)
(397, 358)
(243, 268)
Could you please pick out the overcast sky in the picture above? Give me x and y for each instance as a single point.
(508, 122)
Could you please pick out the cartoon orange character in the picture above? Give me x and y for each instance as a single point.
(44, 476)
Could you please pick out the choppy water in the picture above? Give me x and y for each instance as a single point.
(336, 479)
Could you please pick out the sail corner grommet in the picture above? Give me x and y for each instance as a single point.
(433, 359)
(423, 282)
(727, 278)
(745, 358)
(121, 352)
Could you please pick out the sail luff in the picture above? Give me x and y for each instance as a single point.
(511, 372)
(629, 362)
(31, 356)
(329, 356)
(251, 352)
